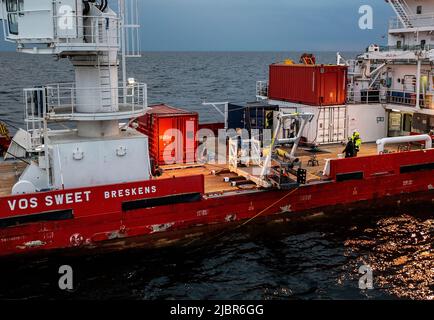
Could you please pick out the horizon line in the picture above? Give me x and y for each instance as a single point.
(227, 51)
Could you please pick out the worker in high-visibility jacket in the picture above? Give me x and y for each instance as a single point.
(357, 141)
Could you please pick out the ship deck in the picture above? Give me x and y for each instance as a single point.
(10, 172)
(215, 174)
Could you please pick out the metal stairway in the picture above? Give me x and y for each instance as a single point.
(403, 11)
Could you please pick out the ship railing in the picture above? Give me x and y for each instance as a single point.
(65, 102)
(71, 32)
(353, 67)
(407, 48)
(365, 96)
(408, 98)
(34, 116)
(399, 97)
(261, 90)
(416, 21)
(99, 32)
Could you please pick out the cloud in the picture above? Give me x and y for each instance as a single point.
(257, 25)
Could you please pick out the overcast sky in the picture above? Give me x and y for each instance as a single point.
(258, 25)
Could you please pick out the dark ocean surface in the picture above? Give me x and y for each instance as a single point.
(304, 260)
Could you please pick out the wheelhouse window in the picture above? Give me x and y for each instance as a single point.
(13, 8)
(419, 10)
(399, 44)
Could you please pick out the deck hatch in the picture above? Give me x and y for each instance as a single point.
(158, 202)
(417, 167)
(39, 217)
(340, 177)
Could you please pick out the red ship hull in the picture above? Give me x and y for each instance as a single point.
(158, 212)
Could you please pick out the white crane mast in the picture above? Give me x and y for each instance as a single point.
(90, 34)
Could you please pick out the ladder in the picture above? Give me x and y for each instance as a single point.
(403, 12)
(129, 34)
(106, 85)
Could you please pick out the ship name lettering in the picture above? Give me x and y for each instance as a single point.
(49, 200)
(129, 192)
(23, 203)
(68, 198)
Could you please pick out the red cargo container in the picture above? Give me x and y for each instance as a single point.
(319, 85)
(172, 134)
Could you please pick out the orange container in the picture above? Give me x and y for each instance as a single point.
(317, 85)
(172, 134)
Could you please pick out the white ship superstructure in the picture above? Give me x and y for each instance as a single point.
(390, 88)
(400, 75)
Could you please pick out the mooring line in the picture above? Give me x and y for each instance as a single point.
(263, 211)
(245, 222)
